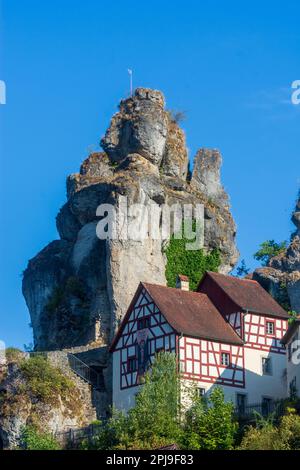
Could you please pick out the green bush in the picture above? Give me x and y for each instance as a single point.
(13, 355)
(33, 439)
(209, 423)
(267, 436)
(191, 263)
(44, 381)
(153, 421)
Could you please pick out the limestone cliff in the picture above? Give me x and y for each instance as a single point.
(282, 275)
(78, 287)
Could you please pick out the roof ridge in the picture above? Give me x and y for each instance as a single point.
(234, 277)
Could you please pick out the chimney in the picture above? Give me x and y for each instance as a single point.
(182, 282)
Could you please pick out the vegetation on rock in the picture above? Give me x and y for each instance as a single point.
(45, 382)
(34, 439)
(191, 263)
(268, 250)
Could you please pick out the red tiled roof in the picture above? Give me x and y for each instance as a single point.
(192, 314)
(248, 295)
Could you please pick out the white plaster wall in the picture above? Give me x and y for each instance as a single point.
(122, 399)
(293, 369)
(188, 385)
(259, 385)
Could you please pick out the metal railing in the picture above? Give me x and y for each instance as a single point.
(72, 438)
(85, 372)
(263, 409)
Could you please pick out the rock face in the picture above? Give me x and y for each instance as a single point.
(21, 407)
(282, 275)
(79, 287)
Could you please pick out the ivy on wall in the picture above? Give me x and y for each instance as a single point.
(191, 263)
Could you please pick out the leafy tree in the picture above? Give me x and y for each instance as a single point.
(209, 423)
(268, 250)
(154, 421)
(293, 317)
(242, 270)
(34, 439)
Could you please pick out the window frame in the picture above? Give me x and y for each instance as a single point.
(130, 358)
(147, 319)
(270, 322)
(203, 389)
(228, 353)
(262, 365)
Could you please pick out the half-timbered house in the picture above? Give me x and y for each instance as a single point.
(228, 333)
(291, 340)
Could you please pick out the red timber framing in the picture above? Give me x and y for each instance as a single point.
(256, 336)
(158, 336)
(252, 328)
(201, 361)
(236, 320)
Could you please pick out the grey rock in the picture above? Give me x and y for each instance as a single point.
(141, 127)
(78, 288)
(283, 271)
(206, 175)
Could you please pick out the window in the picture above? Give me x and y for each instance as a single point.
(182, 366)
(266, 366)
(201, 392)
(131, 364)
(267, 406)
(143, 323)
(241, 401)
(270, 328)
(225, 359)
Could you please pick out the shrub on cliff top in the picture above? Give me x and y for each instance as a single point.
(45, 382)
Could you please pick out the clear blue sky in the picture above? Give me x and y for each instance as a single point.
(228, 65)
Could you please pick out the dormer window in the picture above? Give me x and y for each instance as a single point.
(143, 323)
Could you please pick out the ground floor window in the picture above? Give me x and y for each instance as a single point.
(201, 392)
(267, 405)
(241, 402)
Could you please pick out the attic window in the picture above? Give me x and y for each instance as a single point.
(143, 323)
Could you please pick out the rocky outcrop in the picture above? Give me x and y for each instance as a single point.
(282, 275)
(78, 288)
(23, 404)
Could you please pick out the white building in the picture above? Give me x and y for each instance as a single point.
(228, 333)
(292, 342)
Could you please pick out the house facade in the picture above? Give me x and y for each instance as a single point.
(228, 333)
(291, 340)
